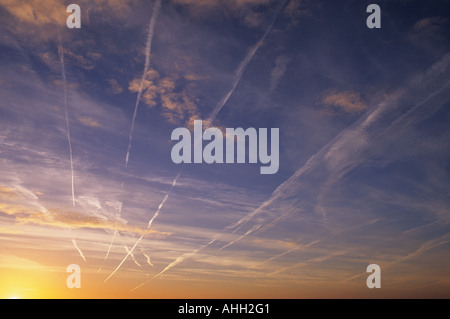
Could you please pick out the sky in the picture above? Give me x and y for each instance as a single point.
(87, 178)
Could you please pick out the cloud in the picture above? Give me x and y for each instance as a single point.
(430, 23)
(294, 10)
(71, 219)
(25, 207)
(305, 191)
(278, 71)
(8, 193)
(16, 262)
(36, 12)
(115, 86)
(347, 101)
(176, 106)
(253, 19)
(247, 11)
(88, 121)
(430, 34)
(86, 62)
(39, 21)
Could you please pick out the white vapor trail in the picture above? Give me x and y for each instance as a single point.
(147, 257)
(251, 230)
(373, 125)
(114, 236)
(132, 256)
(151, 30)
(175, 262)
(66, 112)
(66, 115)
(79, 250)
(241, 69)
(123, 260)
(160, 206)
(237, 77)
(109, 248)
(110, 244)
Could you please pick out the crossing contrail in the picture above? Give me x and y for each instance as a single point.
(160, 206)
(174, 263)
(66, 112)
(237, 77)
(132, 256)
(370, 125)
(151, 29)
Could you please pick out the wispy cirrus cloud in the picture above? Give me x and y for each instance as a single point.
(366, 180)
(26, 209)
(178, 107)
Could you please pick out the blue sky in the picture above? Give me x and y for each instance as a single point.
(364, 158)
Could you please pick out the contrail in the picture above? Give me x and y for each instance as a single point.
(132, 256)
(175, 262)
(241, 69)
(66, 111)
(109, 248)
(147, 257)
(79, 250)
(174, 182)
(251, 230)
(422, 249)
(312, 260)
(151, 29)
(114, 236)
(275, 257)
(237, 77)
(370, 124)
(123, 260)
(66, 115)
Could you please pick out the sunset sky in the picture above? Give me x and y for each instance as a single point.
(364, 161)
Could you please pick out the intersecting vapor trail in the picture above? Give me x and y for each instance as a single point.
(151, 30)
(66, 112)
(132, 256)
(148, 48)
(155, 215)
(174, 263)
(237, 77)
(375, 124)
